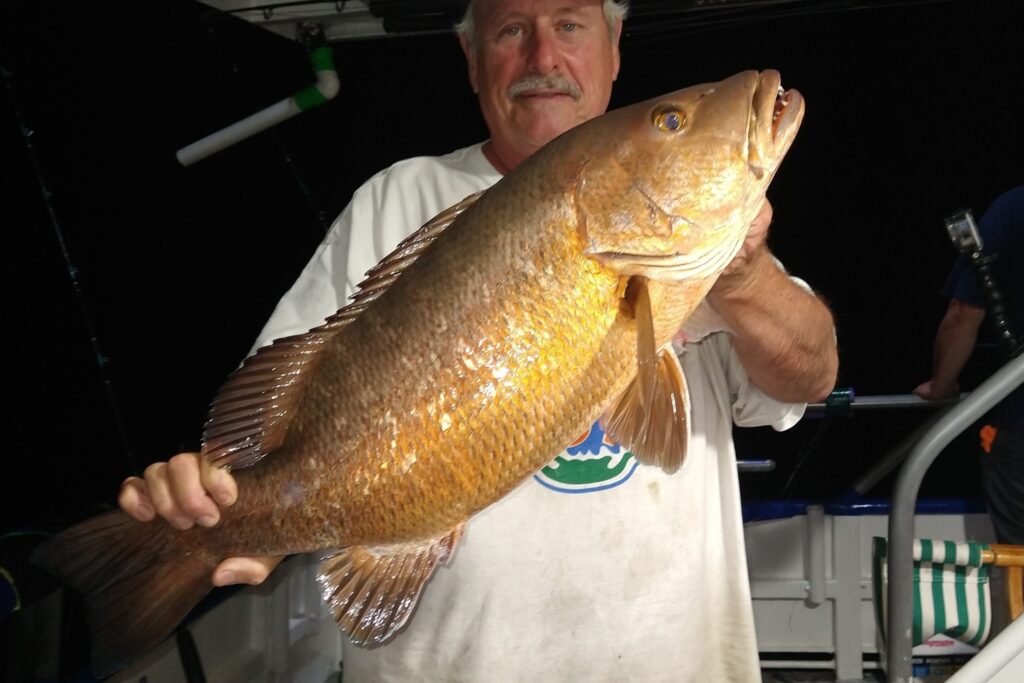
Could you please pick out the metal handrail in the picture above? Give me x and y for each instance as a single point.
(886, 401)
(904, 498)
(994, 656)
(844, 402)
(895, 457)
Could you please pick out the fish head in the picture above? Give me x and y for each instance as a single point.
(672, 194)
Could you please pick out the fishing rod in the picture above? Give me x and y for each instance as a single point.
(101, 359)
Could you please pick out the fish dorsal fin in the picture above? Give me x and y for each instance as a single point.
(372, 590)
(251, 413)
(652, 416)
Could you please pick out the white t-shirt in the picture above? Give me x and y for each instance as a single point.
(595, 569)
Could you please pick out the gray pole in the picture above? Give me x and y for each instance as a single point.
(904, 498)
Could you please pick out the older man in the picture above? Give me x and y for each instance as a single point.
(620, 573)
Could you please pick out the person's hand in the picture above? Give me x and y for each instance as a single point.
(757, 233)
(186, 490)
(935, 391)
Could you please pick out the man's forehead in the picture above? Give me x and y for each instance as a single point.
(497, 9)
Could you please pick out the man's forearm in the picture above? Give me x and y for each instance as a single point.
(784, 335)
(954, 344)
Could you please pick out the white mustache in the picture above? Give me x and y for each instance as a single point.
(554, 82)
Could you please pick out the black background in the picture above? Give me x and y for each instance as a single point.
(913, 110)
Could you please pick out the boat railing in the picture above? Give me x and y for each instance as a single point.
(937, 435)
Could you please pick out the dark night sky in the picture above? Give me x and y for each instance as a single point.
(913, 110)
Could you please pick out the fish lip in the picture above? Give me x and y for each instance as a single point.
(783, 111)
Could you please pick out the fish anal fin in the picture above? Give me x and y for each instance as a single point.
(658, 434)
(372, 590)
(250, 415)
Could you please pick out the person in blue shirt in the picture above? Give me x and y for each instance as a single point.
(1002, 437)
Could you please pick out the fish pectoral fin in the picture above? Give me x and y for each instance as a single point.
(657, 435)
(372, 590)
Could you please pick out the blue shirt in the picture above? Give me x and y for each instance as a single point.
(1002, 233)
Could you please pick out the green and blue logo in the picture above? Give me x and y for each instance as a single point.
(592, 463)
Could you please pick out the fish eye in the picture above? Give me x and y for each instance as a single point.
(669, 119)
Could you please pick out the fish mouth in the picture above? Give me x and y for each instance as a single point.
(775, 117)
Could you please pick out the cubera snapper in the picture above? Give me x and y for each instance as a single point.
(469, 357)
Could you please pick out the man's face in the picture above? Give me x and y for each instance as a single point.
(540, 67)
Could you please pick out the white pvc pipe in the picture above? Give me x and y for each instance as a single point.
(326, 87)
(236, 132)
(816, 554)
(992, 658)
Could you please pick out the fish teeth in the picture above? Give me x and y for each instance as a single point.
(781, 103)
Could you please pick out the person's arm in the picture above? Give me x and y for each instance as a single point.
(783, 334)
(954, 344)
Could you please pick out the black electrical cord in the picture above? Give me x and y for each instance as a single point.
(189, 656)
(982, 262)
(808, 449)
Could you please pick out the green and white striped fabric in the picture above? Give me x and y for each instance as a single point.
(951, 590)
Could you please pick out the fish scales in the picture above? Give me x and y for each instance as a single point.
(488, 341)
(468, 435)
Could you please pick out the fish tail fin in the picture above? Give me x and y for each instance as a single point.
(138, 581)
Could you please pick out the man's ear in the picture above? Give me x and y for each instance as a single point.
(470, 53)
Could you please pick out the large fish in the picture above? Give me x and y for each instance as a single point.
(467, 360)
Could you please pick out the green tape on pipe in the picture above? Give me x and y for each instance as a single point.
(309, 97)
(322, 59)
(840, 402)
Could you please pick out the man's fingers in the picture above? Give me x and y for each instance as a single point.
(185, 490)
(162, 497)
(251, 570)
(219, 484)
(188, 502)
(133, 499)
(758, 231)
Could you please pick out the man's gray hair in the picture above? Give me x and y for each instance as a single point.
(614, 10)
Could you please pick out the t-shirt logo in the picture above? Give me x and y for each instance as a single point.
(592, 463)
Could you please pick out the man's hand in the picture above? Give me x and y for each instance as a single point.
(933, 390)
(187, 490)
(954, 344)
(757, 233)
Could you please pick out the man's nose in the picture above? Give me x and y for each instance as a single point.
(543, 53)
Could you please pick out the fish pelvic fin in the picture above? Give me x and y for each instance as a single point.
(138, 581)
(372, 590)
(250, 415)
(654, 422)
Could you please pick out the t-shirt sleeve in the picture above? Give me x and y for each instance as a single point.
(1001, 236)
(332, 274)
(962, 284)
(752, 407)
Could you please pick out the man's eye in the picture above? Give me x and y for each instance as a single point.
(569, 26)
(511, 31)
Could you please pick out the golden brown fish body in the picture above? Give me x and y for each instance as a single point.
(481, 347)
